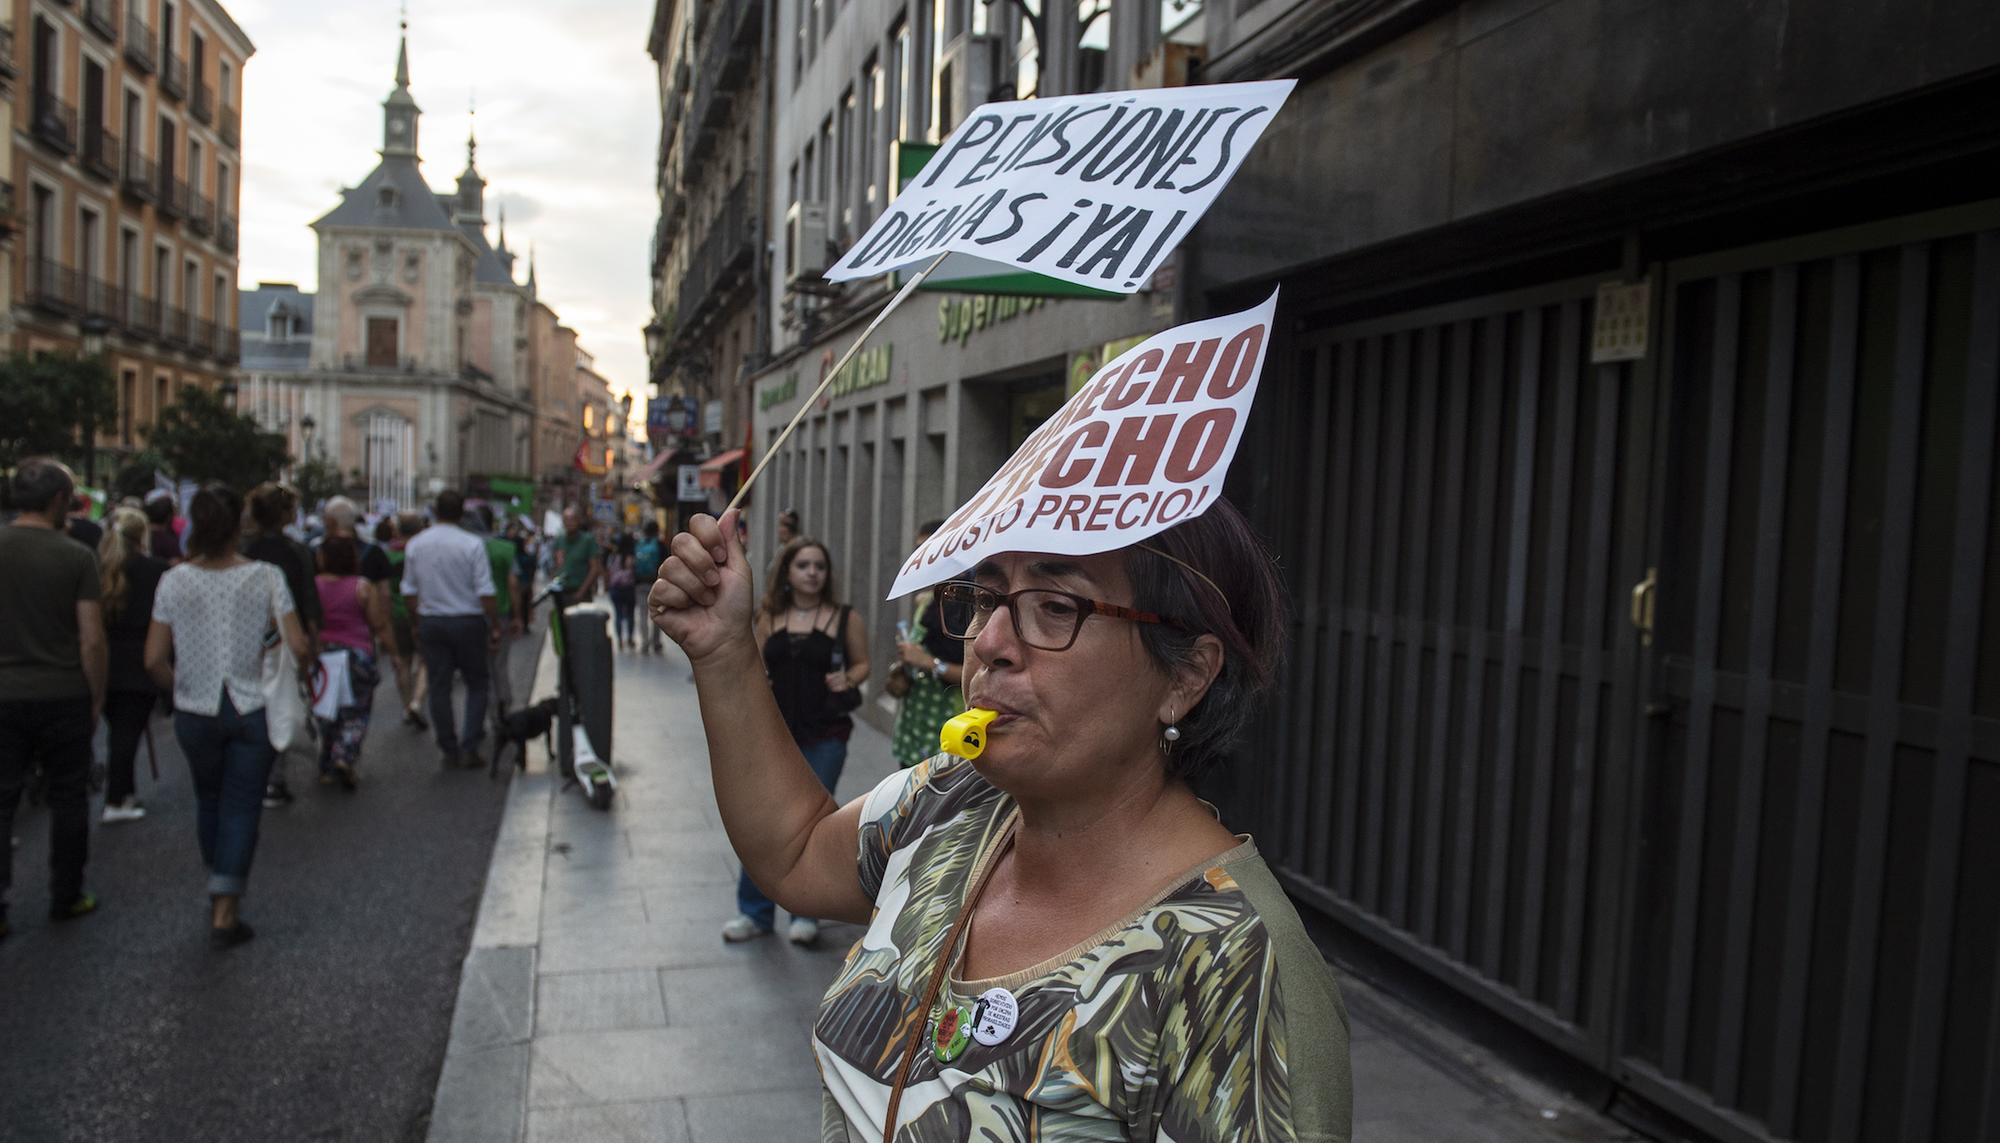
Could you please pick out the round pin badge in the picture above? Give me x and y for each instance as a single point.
(995, 1017)
(951, 1031)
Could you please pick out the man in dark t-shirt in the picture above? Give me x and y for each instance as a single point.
(52, 677)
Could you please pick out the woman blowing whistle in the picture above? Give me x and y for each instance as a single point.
(1061, 936)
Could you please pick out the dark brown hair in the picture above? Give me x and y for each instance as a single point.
(778, 592)
(215, 519)
(271, 506)
(1242, 604)
(337, 556)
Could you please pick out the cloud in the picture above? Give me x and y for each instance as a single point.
(568, 121)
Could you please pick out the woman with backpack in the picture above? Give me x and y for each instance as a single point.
(816, 656)
(621, 573)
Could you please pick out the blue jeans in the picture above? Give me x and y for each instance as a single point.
(826, 757)
(230, 756)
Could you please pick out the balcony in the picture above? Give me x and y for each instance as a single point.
(101, 16)
(201, 214)
(142, 319)
(201, 337)
(225, 232)
(103, 300)
(362, 363)
(139, 44)
(203, 103)
(173, 76)
(55, 123)
(100, 152)
(173, 200)
(717, 264)
(728, 49)
(142, 177)
(7, 70)
(174, 327)
(232, 126)
(661, 237)
(52, 286)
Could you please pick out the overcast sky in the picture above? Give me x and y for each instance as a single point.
(568, 122)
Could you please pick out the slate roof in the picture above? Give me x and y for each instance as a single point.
(487, 269)
(253, 316)
(416, 204)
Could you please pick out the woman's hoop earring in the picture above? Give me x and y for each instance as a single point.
(1171, 734)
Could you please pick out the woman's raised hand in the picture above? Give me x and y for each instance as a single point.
(702, 600)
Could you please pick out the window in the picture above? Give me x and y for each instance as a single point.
(128, 266)
(843, 186)
(225, 84)
(807, 186)
(166, 30)
(135, 122)
(159, 395)
(89, 251)
(802, 20)
(128, 395)
(163, 280)
(868, 151)
(825, 158)
(813, 32)
(385, 197)
(44, 240)
(589, 418)
(1028, 53)
(166, 149)
(278, 326)
(191, 287)
(899, 81)
(1093, 43)
(219, 299)
(194, 164)
(383, 335)
(48, 51)
(222, 198)
(942, 29)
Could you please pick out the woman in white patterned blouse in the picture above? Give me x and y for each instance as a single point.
(214, 618)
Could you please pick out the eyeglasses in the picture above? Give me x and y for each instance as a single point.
(1043, 618)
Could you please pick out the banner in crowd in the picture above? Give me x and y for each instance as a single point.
(1144, 445)
(1091, 189)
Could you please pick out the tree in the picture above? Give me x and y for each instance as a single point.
(317, 480)
(53, 404)
(201, 437)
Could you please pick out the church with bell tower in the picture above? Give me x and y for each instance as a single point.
(430, 365)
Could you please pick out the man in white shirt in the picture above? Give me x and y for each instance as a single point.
(448, 585)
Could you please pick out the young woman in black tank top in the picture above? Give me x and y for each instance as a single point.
(815, 652)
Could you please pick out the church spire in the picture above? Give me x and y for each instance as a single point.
(400, 110)
(471, 187)
(531, 269)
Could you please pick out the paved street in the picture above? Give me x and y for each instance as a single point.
(330, 1025)
(600, 1003)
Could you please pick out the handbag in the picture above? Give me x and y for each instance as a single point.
(839, 704)
(285, 708)
(334, 688)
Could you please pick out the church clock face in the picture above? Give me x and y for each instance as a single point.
(397, 127)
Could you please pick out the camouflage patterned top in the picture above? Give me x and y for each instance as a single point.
(1206, 1015)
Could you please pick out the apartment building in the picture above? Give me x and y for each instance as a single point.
(710, 174)
(127, 174)
(951, 383)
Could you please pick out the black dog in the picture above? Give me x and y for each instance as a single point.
(519, 727)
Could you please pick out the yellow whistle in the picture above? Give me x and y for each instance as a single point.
(965, 734)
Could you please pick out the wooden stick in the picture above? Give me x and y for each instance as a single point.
(902, 295)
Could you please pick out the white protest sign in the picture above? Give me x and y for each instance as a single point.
(1093, 189)
(1144, 445)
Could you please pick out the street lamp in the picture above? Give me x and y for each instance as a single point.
(92, 330)
(306, 427)
(656, 339)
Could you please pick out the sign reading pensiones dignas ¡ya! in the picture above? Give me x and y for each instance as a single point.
(1141, 447)
(1091, 189)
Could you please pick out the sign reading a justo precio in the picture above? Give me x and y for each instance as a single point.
(1144, 445)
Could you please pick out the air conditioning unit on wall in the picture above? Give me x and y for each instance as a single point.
(966, 76)
(805, 242)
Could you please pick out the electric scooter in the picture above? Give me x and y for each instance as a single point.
(582, 766)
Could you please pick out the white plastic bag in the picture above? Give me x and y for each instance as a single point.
(284, 709)
(335, 686)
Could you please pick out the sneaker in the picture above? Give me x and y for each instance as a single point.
(344, 774)
(128, 810)
(232, 936)
(83, 905)
(802, 931)
(277, 796)
(326, 777)
(742, 928)
(414, 720)
(470, 759)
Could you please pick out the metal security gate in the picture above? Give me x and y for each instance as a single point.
(1744, 863)
(1815, 901)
